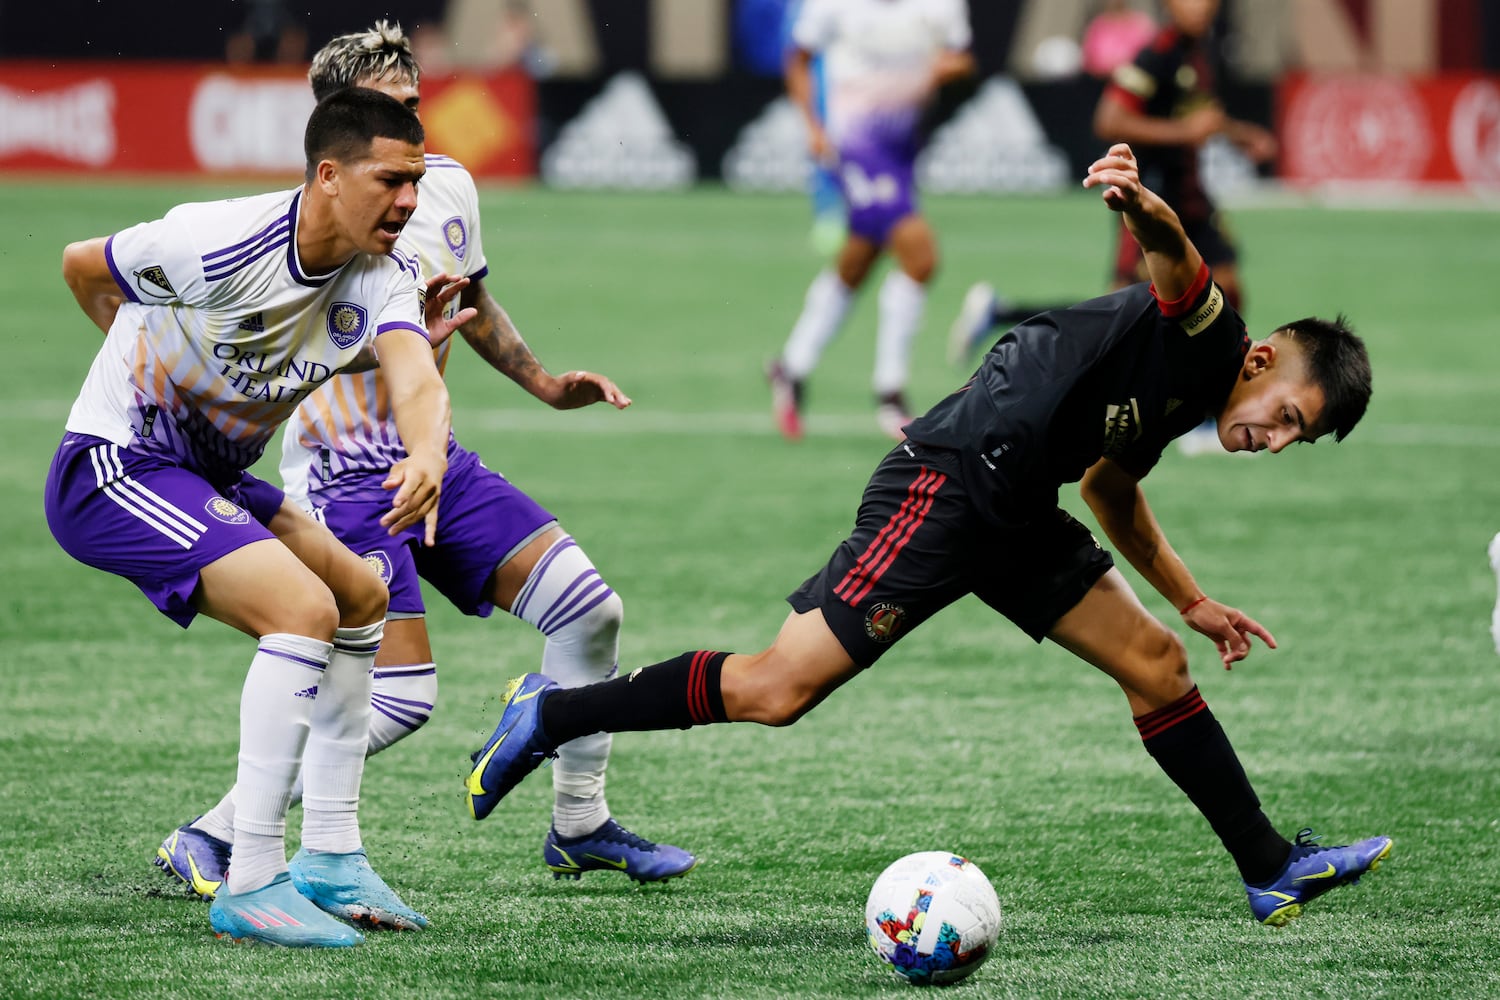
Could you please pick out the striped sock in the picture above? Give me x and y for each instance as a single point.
(1190, 746)
(675, 694)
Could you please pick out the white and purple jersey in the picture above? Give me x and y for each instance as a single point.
(224, 332)
(878, 57)
(342, 440)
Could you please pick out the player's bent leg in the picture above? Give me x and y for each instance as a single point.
(359, 593)
(776, 687)
(404, 684)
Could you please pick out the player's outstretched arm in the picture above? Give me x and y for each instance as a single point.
(1171, 259)
(86, 270)
(1119, 504)
(495, 339)
(799, 87)
(419, 401)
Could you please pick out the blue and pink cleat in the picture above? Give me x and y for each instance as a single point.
(346, 886)
(279, 915)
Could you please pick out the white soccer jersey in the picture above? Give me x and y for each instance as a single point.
(877, 59)
(345, 433)
(225, 332)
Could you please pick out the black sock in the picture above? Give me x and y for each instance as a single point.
(1188, 743)
(675, 694)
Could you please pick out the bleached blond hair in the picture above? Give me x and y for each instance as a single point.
(381, 53)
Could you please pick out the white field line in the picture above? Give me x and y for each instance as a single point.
(640, 421)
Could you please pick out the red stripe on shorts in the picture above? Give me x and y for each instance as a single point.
(872, 565)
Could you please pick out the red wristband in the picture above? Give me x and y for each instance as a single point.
(1193, 604)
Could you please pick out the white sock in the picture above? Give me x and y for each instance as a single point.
(276, 707)
(823, 312)
(335, 759)
(567, 600)
(902, 301)
(402, 701)
(219, 821)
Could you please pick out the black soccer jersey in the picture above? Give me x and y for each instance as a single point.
(1117, 376)
(1170, 78)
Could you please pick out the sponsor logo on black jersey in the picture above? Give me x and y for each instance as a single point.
(153, 281)
(1122, 425)
(883, 622)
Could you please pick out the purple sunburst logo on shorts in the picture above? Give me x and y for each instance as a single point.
(346, 323)
(456, 236)
(380, 563)
(226, 511)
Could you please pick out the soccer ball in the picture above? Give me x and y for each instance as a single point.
(932, 917)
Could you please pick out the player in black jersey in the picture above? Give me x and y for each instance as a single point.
(968, 504)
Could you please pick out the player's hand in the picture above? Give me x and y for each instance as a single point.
(821, 147)
(1258, 144)
(1229, 628)
(417, 480)
(1117, 172)
(441, 290)
(571, 390)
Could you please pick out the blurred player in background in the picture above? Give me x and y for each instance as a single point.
(829, 228)
(494, 545)
(1494, 554)
(221, 318)
(884, 61)
(968, 504)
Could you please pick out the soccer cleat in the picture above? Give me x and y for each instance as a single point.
(346, 886)
(892, 415)
(786, 401)
(197, 859)
(516, 747)
(975, 319)
(278, 914)
(1312, 871)
(612, 848)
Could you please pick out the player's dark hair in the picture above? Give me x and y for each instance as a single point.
(345, 123)
(1338, 364)
(381, 53)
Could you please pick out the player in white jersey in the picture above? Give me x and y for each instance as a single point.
(220, 318)
(494, 547)
(883, 60)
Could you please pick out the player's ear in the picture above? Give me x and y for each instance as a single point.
(1260, 359)
(327, 176)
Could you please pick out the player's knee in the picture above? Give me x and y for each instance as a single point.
(1163, 674)
(310, 611)
(363, 601)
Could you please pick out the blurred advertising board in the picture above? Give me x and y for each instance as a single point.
(1441, 131)
(176, 119)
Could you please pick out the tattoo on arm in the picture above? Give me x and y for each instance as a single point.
(495, 339)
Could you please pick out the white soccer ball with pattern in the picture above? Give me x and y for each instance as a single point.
(933, 917)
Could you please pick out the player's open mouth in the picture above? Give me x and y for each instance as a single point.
(392, 229)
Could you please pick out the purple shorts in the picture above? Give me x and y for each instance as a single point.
(879, 185)
(483, 520)
(154, 523)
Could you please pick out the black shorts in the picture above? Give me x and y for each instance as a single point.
(919, 544)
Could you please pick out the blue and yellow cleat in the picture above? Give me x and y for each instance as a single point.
(612, 848)
(346, 886)
(516, 747)
(197, 859)
(1312, 871)
(277, 914)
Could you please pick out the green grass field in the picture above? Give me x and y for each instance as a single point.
(1367, 560)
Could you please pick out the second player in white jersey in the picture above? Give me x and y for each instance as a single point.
(225, 332)
(878, 57)
(342, 439)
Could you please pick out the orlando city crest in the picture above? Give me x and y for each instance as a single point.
(884, 621)
(380, 563)
(226, 511)
(457, 236)
(346, 323)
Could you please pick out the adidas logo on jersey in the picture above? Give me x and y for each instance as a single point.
(309, 692)
(255, 323)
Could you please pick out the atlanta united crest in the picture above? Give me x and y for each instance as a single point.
(346, 323)
(380, 563)
(456, 236)
(224, 510)
(883, 622)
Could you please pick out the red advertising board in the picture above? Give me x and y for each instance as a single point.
(157, 118)
(1391, 129)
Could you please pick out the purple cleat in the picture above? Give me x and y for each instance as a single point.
(1312, 871)
(612, 848)
(516, 747)
(197, 859)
